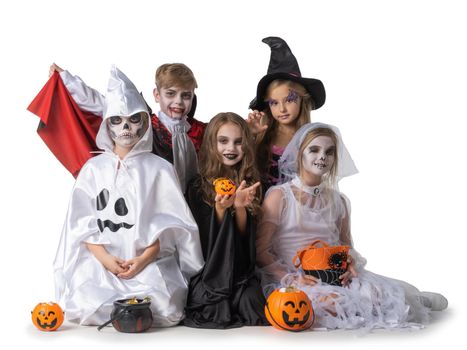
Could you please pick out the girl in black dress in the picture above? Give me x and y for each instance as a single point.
(226, 293)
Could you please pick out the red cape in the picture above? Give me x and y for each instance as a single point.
(69, 132)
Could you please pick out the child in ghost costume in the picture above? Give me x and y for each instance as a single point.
(177, 135)
(128, 231)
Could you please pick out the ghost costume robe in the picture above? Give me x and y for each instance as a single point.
(126, 205)
(226, 293)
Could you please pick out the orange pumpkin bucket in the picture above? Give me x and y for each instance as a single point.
(47, 317)
(289, 309)
(224, 186)
(325, 262)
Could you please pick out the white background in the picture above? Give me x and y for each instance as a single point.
(395, 76)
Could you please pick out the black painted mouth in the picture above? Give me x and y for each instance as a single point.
(111, 225)
(231, 156)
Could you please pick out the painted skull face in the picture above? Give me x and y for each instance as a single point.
(127, 131)
(319, 155)
(119, 208)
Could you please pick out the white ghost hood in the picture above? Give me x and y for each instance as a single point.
(123, 100)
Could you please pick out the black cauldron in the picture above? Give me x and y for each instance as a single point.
(130, 317)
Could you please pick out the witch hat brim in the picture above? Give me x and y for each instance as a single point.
(314, 87)
(284, 66)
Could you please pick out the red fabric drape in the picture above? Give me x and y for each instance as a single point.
(69, 132)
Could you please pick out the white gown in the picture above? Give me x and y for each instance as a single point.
(126, 205)
(370, 301)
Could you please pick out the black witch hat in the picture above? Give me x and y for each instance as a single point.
(283, 65)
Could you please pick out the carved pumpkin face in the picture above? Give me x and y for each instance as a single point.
(47, 316)
(289, 309)
(224, 186)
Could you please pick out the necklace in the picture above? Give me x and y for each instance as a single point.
(313, 190)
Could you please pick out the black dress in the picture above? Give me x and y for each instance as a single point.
(226, 293)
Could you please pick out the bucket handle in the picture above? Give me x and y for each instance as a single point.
(300, 253)
(115, 317)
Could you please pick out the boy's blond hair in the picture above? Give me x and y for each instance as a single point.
(175, 74)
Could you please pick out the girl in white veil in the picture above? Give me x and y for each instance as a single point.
(308, 206)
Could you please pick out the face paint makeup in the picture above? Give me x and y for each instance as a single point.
(126, 131)
(319, 155)
(174, 101)
(284, 104)
(292, 97)
(229, 144)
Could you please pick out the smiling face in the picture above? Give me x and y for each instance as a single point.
(174, 101)
(229, 144)
(318, 156)
(113, 213)
(289, 309)
(47, 316)
(284, 104)
(127, 131)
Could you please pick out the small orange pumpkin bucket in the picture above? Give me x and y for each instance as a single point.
(224, 186)
(325, 262)
(289, 309)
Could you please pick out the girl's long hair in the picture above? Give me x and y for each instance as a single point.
(264, 139)
(212, 167)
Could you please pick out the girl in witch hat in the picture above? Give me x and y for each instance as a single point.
(283, 102)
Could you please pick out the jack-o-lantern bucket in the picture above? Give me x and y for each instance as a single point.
(224, 186)
(130, 315)
(326, 262)
(47, 316)
(289, 309)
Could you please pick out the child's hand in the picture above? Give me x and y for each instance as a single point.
(351, 272)
(245, 195)
(132, 267)
(254, 122)
(113, 264)
(54, 68)
(307, 280)
(136, 265)
(224, 201)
